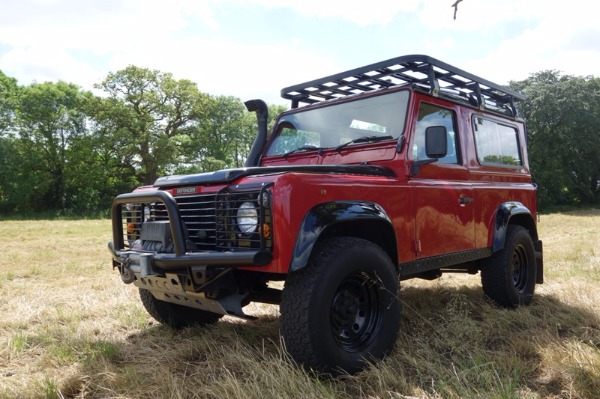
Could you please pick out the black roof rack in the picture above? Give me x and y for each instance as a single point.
(439, 78)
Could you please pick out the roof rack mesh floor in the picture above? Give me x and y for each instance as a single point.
(435, 76)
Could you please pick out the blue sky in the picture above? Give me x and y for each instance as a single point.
(253, 48)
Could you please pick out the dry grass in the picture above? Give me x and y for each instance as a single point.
(69, 328)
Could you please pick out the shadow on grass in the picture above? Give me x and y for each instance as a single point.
(471, 345)
(453, 343)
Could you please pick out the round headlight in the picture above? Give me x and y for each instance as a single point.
(247, 218)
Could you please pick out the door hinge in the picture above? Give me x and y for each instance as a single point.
(417, 244)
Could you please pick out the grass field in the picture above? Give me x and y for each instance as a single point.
(69, 328)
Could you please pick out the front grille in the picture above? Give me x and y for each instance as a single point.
(210, 220)
(198, 213)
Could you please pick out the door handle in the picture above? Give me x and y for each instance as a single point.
(465, 200)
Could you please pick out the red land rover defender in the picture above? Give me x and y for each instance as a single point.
(405, 168)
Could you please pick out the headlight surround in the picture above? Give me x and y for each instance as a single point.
(264, 198)
(247, 218)
(147, 212)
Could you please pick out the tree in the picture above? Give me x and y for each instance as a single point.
(9, 188)
(8, 100)
(220, 134)
(148, 115)
(222, 137)
(50, 117)
(563, 119)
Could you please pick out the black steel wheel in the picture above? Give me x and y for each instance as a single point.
(355, 312)
(509, 276)
(519, 265)
(343, 309)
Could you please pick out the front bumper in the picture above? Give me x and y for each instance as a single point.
(180, 257)
(184, 289)
(174, 261)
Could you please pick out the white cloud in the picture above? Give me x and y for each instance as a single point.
(478, 15)
(564, 39)
(374, 12)
(81, 41)
(224, 68)
(44, 38)
(99, 26)
(42, 64)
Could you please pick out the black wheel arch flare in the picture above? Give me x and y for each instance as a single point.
(362, 219)
(512, 212)
(515, 212)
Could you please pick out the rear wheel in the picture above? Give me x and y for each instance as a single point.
(343, 308)
(174, 315)
(509, 277)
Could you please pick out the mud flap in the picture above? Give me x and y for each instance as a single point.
(539, 261)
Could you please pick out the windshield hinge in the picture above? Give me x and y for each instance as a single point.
(400, 144)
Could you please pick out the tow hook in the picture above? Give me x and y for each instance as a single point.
(127, 275)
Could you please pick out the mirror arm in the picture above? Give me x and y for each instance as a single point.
(415, 168)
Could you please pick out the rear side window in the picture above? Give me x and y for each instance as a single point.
(496, 144)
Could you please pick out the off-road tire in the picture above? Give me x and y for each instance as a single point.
(343, 309)
(174, 315)
(509, 276)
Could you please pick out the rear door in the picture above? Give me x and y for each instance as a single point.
(500, 172)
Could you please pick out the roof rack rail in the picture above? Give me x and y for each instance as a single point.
(417, 69)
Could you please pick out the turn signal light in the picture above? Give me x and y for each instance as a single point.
(266, 230)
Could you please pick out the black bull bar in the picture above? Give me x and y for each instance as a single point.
(180, 258)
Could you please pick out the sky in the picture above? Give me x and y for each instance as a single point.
(253, 48)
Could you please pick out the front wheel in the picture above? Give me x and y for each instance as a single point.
(509, 276)
(343, 309)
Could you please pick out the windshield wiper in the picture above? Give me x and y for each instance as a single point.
(363, 139)
(306, 147)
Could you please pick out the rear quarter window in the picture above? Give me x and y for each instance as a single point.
(496, 144)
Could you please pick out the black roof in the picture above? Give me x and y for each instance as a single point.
(426, 73)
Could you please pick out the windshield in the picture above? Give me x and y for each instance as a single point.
(335, 126)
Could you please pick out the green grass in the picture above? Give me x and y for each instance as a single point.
(70, 328)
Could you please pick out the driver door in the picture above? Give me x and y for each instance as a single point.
(442, 192)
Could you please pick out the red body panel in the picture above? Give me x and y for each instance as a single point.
(428, 211)
(442, 209)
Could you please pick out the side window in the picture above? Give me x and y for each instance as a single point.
(432, 115)
(496, 144)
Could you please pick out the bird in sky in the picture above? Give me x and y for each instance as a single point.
(455, 5)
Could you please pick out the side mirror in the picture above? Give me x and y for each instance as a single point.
(436, 142)
(436, 147)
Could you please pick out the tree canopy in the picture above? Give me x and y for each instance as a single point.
(563, 122)
(63, 149)
(148, 114)
(8, 97)
(66, 150)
